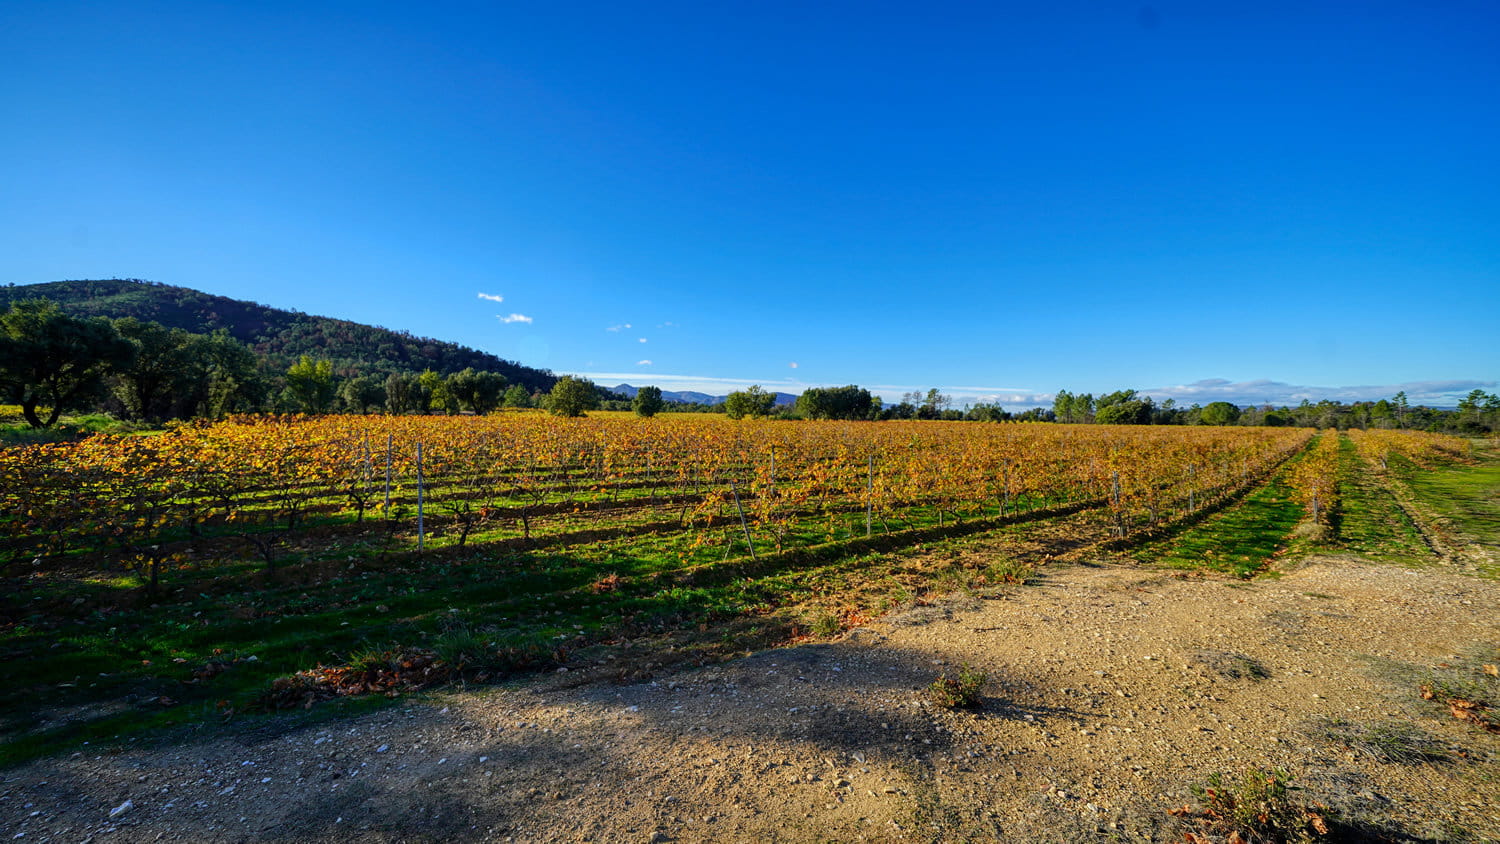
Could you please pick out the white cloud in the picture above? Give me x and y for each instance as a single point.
(492, 297)
(621, 327)
(1432, 393)
(514, 318)
(793, 364)
(643, 339)
(1266, 391)
(701, 383)
(643, 363)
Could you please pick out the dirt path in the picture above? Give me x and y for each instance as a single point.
(1111, 691)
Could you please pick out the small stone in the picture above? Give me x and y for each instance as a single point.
(121, 809)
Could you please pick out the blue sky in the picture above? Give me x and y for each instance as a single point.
(1254, 201)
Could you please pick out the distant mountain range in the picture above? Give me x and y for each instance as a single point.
(692, 397)
(279, 336)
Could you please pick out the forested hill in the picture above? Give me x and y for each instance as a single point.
(279, 336)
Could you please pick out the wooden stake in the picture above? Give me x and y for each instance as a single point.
(743, 524)
(869, 493)
(387, 511)
(421, 526)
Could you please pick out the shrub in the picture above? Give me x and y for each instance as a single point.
(1259, 808)
(964, 691)
(1009, 571)
(461, 647)
(825, 623)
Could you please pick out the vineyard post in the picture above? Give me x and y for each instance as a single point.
(869, 493)
(369, 477)
(1192, 488)
(1114, 495)
(387, 511)
(1315, 508)
(743, 524)
(421, 527)
(1005, 499)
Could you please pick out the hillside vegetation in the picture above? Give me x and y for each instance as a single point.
(279, 336)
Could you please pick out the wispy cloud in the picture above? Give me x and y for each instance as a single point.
(793, 365)
(1267, 391)
(643, 339)
(1261, 391)
(621, 327)
(717, 385)
(643, 363)
(1258, 391)
(701, 383)
(515, 318)
(491, 297)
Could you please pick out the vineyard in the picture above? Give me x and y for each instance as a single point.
(699, 491)
(269, 562)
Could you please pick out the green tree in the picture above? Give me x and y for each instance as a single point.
(223, 377)
(647, 402)
(753, 402)
(849, 402)
(362, 393)
(400, 390)
(175, 374)
(1123, 407)
(987, 413)
(159, 370)
(434, 394)
(1219, 413)
(934, 405)
(1477, 412)
(310, 384)
(50, 359)
(486, 393)
(572, 396)
(517, 396)
(479, 391)
(1068, 407)
(1403, 406)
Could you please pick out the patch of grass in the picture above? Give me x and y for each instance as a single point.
(1007, 570)
(1241, 540)
(1466, 495)
(962, 691)
(1386, 741)
(15, 431)
(90, 657)
(462, 647)
(1470, 690)
(1371, 521)
(1260, 806)
(824, 624)
(1235, 666)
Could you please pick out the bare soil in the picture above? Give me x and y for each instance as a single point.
(1111, 690)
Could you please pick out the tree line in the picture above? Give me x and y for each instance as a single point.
(52, 362)
(278, 337)
(1476, 413)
